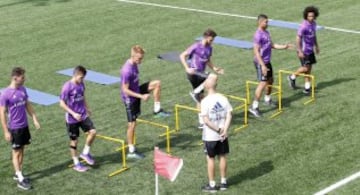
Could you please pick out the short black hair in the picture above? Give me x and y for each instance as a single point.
(210, 33)
(312, 9)
(262, 16)
(81, 69)
(17, 71)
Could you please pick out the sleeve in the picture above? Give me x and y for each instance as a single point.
(125, 77)
(301, 30)
(26, 94)
(64, 95)
(191, 50)
(203, 108)
(257, 39)
(3, 100)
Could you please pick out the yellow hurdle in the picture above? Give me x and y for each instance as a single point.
(167, 131)
(278, 93)
(312, 97)
(121, 149)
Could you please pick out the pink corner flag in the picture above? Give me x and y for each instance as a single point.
(166, 165)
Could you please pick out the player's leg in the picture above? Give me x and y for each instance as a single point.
(223, 150)
(132, 112)
(88, 127)
(210, 158)
(155, 87)
(73, 132)
(263, 82)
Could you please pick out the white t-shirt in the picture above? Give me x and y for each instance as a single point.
(216, 107)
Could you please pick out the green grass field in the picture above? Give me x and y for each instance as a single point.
(304, 150)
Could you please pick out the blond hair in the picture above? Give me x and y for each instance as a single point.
(137, 49)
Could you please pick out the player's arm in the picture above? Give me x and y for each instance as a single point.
(214, 68)
(125, 88)
(259, 59)
(299, 46)
(7, 134)
(280, 46)
(317, 48)
(211, 125)
(31, 112)
(88, 111)
(183, 58)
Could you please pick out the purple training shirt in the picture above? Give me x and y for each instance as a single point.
(129, 74)
(73, 95)
(263, 39)
(307, 33)
(199, 55)
(14, 100)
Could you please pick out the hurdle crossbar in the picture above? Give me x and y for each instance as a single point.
(312, 77)
(278, 93)
(167, 131)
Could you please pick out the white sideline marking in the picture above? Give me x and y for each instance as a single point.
(338, 184)
(221, 13)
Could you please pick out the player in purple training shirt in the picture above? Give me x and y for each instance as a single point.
(14, 102)
(132, 93)
(195, 59)
(262, 60)
(72, 100)
(306, 41)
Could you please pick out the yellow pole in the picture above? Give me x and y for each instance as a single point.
(177, 128)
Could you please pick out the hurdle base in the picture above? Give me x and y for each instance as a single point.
(276, 114)
(241, 128)
(309, 101)
(118, 171)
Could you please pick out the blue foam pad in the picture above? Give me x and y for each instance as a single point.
(290, 25)
(40, 97)
(170, 56)
(93, 76)
(231, 42)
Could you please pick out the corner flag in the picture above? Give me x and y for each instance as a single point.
(166, 165)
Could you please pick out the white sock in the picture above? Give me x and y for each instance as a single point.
(157, 107)
(292, 77)
(223, 180)
(212, 183)
(307, 85)
(255, 104)
(76, 160)
(86, 149)
(201, 121)
(267, 98)
(199, 88)
(131, 148)
(19, 175)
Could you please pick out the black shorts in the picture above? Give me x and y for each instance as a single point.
(214, 148)
(259, 73)
(20, 137)
(133, 110)
(197, 78)
(308, 60)
(73, 129)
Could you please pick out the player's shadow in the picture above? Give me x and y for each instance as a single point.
(286, 102)
(251, 173)
(34, 2)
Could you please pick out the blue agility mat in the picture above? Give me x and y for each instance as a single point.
(39, 97)
(93, 76)
(172, 56)
(290, 25)
(231, 42)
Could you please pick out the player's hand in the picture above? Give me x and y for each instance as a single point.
(77, 116)
(290, 46)
(7, 136)
(317, 50)
(36, 124)
(264, 70)
(145, 97)
(223, 135)
(219, 70)
(190, 70)
(300, 54)
(88, 112)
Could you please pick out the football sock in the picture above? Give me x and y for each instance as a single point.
(199, 88)
(86, 149)
(131, 148)
(223, 180)
(255, 104)
(76, 160)
(267, 98)
(212, 183)
(19, 175)
(157, 107)
(292, 77)
(201, 121)
(307, 85)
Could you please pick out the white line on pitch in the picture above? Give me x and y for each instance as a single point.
(338, 184)
(221, 13)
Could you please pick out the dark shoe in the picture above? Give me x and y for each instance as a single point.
(161, 114)
(135, 155)
(255, 112)
(292, 83)
(223, 186)
(306, 91)
(26, 179)
(25, 185)
(208, 188)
